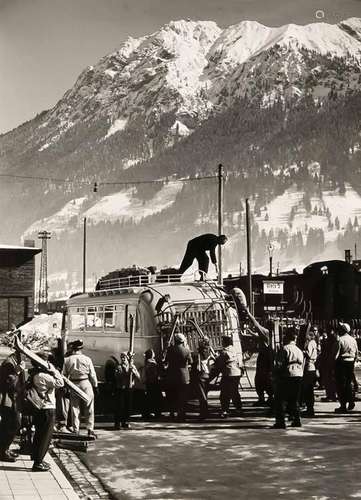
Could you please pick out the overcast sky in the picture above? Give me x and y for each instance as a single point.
(45, 44)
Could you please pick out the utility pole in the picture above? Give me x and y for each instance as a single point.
(220, 220)
(270, 253)
(249, 258)
(84, 255)
(44, 236)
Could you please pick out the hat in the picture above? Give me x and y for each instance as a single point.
(179, 338)
(345, 327)
(204, 341)
(77, 344)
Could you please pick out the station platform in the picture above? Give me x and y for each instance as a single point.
(18, 482)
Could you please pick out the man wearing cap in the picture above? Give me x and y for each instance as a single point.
(288, 374)
(228, 364)
(80, 370)
(178, 359)
(346, 356)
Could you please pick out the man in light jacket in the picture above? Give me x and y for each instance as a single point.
(228, 365)
(288, 378)
(45, 382)
(80, 370)
(346, 356)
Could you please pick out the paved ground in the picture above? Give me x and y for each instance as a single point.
(19, 483)
(233, 459)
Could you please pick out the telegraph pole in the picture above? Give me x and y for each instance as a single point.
(44, 236)
(249, 258)
(220, 220)
(84, 255)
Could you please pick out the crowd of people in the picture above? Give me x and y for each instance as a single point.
(40, 400)
(287, 375)
(307, 358)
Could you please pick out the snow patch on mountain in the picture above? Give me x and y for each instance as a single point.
(324, 210)
(131, 162)
(123, 205)
(178, 128)
(117, 126)
(110, 73)
(60, 220)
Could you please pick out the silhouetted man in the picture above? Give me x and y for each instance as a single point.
(197, 248)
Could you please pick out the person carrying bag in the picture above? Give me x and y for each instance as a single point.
(40, 396)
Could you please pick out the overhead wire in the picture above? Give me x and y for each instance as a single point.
(109, 183)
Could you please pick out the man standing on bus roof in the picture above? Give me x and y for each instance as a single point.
(80, 370)
(197, 248)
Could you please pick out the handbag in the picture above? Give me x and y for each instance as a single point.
(33, 401)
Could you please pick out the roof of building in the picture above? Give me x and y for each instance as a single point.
(11, 255)
(19, 248)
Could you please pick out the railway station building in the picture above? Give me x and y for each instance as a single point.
(17, 284)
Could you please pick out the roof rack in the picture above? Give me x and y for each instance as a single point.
(151, 279)
(138, 280)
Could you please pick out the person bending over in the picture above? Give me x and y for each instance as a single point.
(197, 248)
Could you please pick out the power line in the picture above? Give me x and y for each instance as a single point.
(110, 183)
(158, 181)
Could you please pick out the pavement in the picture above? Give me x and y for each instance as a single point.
(241, 457)
(18, 482)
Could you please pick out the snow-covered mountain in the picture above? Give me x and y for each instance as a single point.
(270, 103)
(168, 82)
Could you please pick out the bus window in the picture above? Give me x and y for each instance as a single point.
(94, 318)
(119, 320)
(109, 317)
(77, 318)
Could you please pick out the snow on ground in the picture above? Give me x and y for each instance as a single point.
(123, 205)
(117, 126)
(60, 220)
(344, 207)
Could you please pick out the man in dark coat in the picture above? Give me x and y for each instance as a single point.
(12, 382)
(197, 248)
(179, 360)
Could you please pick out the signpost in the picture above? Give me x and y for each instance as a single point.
(273, 287)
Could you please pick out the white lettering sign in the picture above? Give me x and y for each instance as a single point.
(273, 287)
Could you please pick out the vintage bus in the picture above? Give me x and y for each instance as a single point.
(104, 319)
